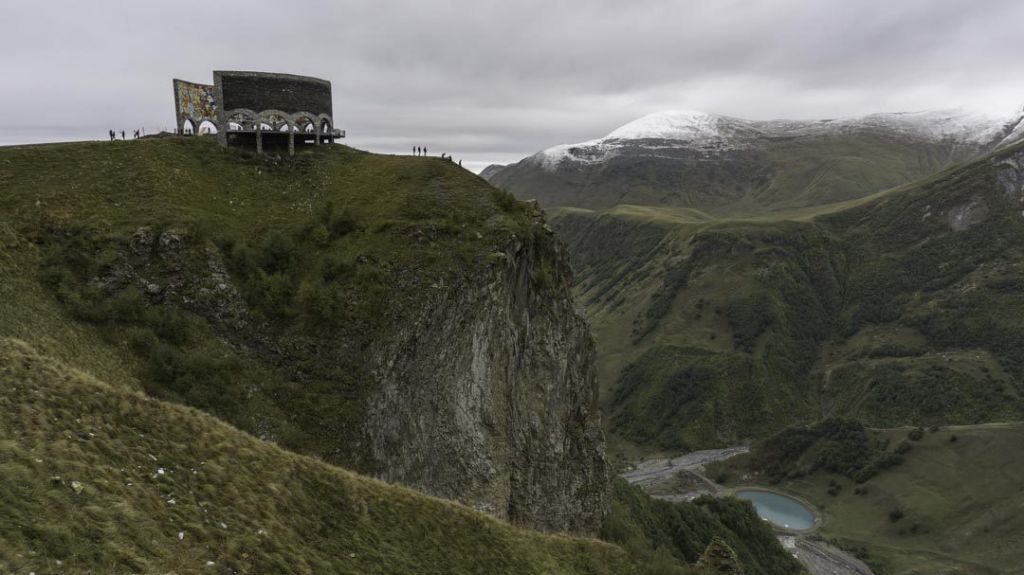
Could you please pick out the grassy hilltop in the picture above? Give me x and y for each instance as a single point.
(325, 253)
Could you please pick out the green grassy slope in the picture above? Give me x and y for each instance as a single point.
(898, 309)
(958, 493)
(97, 478)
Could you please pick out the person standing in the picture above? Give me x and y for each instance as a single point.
(122, 134)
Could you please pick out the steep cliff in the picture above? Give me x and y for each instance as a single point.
(489, 397)
(396, 316)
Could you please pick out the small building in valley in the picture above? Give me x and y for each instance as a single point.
(258, 110)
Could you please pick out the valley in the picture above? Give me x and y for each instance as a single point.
(952, 505)
(712, 331)
(721, 320)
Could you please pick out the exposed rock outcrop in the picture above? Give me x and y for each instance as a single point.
(490, 397)
(487, 396)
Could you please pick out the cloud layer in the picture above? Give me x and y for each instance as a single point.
(493, 81)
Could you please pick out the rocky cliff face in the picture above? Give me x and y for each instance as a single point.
(490, 396)
(486, 396)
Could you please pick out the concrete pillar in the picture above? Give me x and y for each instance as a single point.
(291, 141)
(259, 139)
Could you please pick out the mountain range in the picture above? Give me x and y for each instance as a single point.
(747, 281)
(731, 166)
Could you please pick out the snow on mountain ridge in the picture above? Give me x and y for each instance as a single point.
(697, 129)
(715, 133)
(937, 124)
(686, 125)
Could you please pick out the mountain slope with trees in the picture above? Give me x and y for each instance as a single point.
(897, 309)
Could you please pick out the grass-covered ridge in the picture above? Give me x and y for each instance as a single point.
(898, 309)
(248, 286)
(99, 479)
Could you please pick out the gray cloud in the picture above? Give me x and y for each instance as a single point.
(493, 81)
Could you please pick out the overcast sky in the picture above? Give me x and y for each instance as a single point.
(492, 81)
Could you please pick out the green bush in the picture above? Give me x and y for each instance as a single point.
(839, 446)
(507, 202)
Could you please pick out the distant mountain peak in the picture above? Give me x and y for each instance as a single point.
(708, 133)
(687, 125)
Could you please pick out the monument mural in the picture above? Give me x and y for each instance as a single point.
(195, 101)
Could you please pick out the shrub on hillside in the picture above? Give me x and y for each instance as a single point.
(834, 445)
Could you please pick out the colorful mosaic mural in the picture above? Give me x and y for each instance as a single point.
(196, 101)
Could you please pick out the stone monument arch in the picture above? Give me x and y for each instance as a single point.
(259, 110)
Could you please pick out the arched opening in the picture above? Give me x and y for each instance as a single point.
(187, 127)
(207, 127)
(285, 128)
(309, 128)
(325, 127)
(240, 122)
(266, 127)
(275, 122)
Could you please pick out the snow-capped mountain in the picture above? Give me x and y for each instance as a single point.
(711, 132)
(710, 161)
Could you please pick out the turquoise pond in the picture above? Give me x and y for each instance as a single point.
(780, 510)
